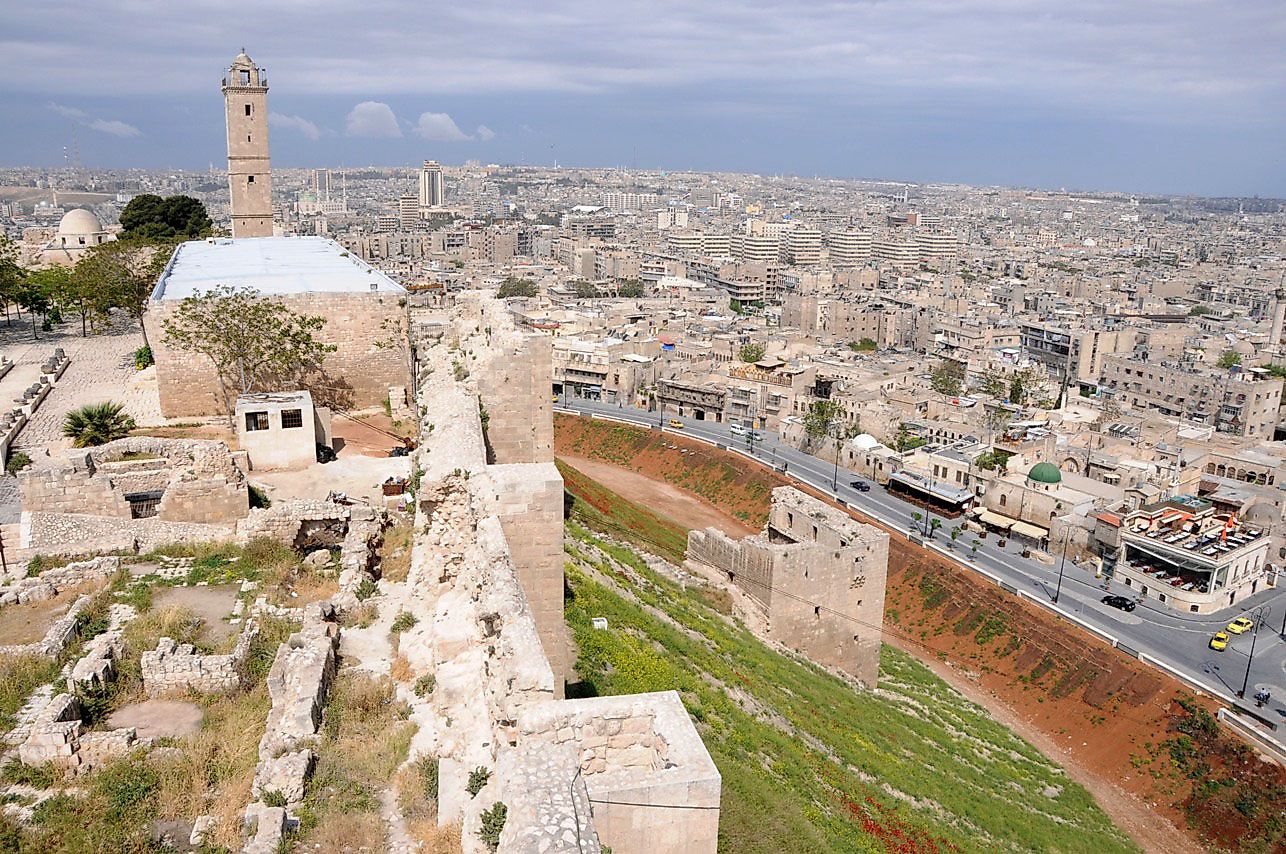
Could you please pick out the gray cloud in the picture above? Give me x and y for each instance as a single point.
(114, 127)
(1141, 55)
(373, 119)
(439, 127)
(485, 133)
(297, 123)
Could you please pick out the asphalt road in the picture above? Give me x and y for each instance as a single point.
(1180, 641)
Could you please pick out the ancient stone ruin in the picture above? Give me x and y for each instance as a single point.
(815, 573)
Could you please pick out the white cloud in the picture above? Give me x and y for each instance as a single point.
(298, 123)
(372, 119)
(485, 133)
(115, 127)
(439, 127)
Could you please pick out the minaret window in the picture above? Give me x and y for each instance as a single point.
(245, 77)
(247, 109)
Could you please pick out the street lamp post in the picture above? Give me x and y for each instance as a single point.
(1261, 613)
(1067, 533)
(835, 477)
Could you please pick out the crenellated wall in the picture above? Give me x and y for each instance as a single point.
(818, 576)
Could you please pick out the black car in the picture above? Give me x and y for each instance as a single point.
(861, 486)
(1122, 602)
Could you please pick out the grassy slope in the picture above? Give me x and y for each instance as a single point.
(603, 510)
(810, 764)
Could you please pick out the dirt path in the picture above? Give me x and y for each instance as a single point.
(659, 497)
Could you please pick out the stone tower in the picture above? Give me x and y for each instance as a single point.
(245, 99)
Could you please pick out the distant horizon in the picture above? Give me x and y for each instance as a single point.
(220, 171)
(1145, 98)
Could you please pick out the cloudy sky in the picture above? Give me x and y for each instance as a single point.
(1142, 95)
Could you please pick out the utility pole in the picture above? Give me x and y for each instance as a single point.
(1067, 535)
(1261, 613)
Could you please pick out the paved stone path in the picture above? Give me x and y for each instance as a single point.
(101, 369)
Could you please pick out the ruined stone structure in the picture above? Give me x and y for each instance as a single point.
(486, 586)
(173, 667)
(816, 573)
(365, 314)
(111, 496)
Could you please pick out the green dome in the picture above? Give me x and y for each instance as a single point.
(1045, 473)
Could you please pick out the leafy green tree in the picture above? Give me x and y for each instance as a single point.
(866, 345)
(584, 289)
(35, 293)
(734, 305)
(1028, 385)
(1229, 359)
(151, 217)
(97, 424)
(632, 289)
(121, 275)
(947, 377)
(821, 418)
(255, 343)
(993, 385)
(1198, 310)
(11, 274)
(515, 287)
(751, 352)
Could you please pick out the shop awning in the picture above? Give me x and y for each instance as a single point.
(995, 519)
(1035, 532)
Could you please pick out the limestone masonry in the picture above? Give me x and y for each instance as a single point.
(816, 573)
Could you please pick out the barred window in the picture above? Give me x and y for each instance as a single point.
(291, 418)
(256, 421)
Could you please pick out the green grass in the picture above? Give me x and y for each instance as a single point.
(599, 508)
(911, 767)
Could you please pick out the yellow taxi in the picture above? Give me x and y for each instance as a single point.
(1241, 625)
(1219, 642)
(676, 424)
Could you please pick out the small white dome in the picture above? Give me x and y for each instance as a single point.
(78, 222)
(864, 442)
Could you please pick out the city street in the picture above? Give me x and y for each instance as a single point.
(1175, 640)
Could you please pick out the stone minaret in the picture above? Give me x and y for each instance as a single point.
(245, 99)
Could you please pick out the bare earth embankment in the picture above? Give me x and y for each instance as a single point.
(1134, 737)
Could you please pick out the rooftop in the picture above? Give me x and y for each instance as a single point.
(274, 266)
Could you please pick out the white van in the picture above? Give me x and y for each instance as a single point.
(737, 430)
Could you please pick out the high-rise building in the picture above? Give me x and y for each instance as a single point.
(431, 185)
(802, 246)
(245, 100)
(849, 248)
(408, 212)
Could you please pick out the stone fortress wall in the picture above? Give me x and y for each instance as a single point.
(486, 578)
(366, 328)
(816, 573)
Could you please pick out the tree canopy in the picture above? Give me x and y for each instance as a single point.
(751, 352)
(1229, 359)
(947, 377)
(152, 217)
(255, 343)
(825, 418)
(515, 287)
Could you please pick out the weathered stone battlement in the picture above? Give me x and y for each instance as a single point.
(487, 565)
(816, 573)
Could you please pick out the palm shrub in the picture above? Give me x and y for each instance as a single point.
(97, 424)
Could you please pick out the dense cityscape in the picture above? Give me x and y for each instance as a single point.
(493, 507)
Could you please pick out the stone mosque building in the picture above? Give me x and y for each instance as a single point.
(77, 233)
